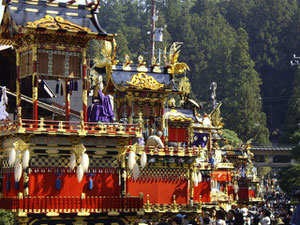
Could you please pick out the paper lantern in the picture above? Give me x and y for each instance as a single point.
(195, 176)
(199, 177)
(72, 161)
(79, 173)
(131, 160)
(12, 157)
(26, 157)
(143, 160)
(18, 172)
(135, 171)
(85, 162)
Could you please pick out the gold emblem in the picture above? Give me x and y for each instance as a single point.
(142, 80)
(56, 23)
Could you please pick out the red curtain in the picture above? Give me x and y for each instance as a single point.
(202, 189)
(159, 191)
(42, 183)
(178, 135)
(221, 175)
(11, 192)
(243, 193)
(251, 194)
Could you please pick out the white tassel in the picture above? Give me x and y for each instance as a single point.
(72, 161)
(12, 157)
(85, 162)
(18, 172)
(143, 160)
(195, 179)
(135, 171)
(131, 160)
(199, 177)
(79, 173)
(26, 157)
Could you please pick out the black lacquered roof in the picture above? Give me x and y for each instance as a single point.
(22, 12)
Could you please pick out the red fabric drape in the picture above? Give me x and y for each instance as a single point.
(221, 175)
(202, 189)
(251, 194)
(178, 135)
(243, 193)
(42, 183)
(9, 174)
(159, 191)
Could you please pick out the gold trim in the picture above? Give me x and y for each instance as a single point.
(142, 80)
(175, 115)
(31, 10)
(56, 23)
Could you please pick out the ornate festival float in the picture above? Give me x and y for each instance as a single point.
(136, 148)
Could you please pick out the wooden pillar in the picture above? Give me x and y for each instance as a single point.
(34, 83)
(84, 85)
(18, 90)
(130, 113)
(67, 99)
(191, 185)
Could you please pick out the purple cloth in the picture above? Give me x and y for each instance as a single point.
(101, 109)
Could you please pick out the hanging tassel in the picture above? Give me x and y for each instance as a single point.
(85, 162)
(25, 160)
(135, 171)
(199, 177)
(90, 183)
(75, 85)
(12, 157)
(143, 160)
(72, 161)
(58, 184)
(18, 172)
(61, 89)
(79, 173)
(131, 160)
(195, 179)
(57, 87)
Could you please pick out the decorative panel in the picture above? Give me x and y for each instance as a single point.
(42, 63)
(26, 65)
(74, 66)
(59, 64)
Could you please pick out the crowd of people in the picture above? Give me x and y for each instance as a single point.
(276, 209)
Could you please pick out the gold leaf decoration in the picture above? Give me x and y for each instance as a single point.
(56, 23)
(184, 85)
(142, 80)
(173, 114)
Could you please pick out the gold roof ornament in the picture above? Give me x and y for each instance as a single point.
(185, 86)
(171, 61)
(142, 80)
(215, 116)
(56, 23)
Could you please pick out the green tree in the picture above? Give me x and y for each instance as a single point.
(289, 178)
(7, 218)
(243, 105)
(293, 112)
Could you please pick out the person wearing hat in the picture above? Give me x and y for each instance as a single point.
(220, 218)
(296, 213)
(278, 221)
(230, 217)
(155, 141)
(178, 219)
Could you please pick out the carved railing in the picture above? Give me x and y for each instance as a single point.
(170, 151)
(53, 205)
(69, 128)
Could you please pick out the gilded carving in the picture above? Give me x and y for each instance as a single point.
(142, 80)
(174, 66)
(175, 115)
(56, 23)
